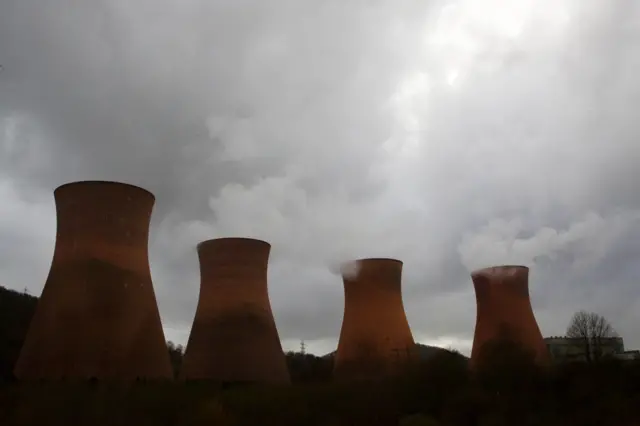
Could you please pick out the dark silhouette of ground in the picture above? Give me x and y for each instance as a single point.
(425, 352)
(16, 310)
(505, 388)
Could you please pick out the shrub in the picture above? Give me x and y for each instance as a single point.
(418, 420)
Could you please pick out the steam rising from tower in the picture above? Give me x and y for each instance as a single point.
(234, 336)
(97, 316)
(375, 339)
(504, 310)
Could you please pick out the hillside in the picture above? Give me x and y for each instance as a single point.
(16, 310)
(426, 352)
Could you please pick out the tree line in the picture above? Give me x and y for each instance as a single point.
(506, 388)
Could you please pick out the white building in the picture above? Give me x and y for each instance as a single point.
(564, 349)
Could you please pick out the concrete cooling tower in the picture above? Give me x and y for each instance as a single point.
(97, 316)
(504, 310)
(234, 337)
(375, 339)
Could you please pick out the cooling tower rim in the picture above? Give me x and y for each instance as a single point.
(376, 260)
(102, 183)
(489, 269)
(254, 241)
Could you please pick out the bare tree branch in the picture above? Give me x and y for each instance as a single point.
(593, 329)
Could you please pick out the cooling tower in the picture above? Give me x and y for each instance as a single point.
(504, 310)
(97, 316)
(234, 337)
(375, 339)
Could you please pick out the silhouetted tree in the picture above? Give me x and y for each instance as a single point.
(503, 364)
(307, 368)
(430, 382)
(593, 329)
(176, 352)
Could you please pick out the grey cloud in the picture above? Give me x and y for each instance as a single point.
(589, 239)
(337, 130)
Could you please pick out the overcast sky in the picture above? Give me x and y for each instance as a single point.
(448, 134)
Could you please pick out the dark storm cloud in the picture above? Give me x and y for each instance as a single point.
(448, 134)
(182, 99)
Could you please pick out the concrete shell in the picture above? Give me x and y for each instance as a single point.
(97, 316)
(504, 305)
(375, 339)
(234, 337)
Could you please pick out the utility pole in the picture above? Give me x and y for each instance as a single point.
(302, 347)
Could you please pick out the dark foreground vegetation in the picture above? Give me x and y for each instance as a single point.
(505, 389)
(440, 392)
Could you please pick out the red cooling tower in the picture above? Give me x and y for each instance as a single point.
(97, 316)
(504, 310)
(375, 339)
(234, 336)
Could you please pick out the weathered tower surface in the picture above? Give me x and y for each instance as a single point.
(375, 339)
(234, 337)
(97, 316)
(504, 310)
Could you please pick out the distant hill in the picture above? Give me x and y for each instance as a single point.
(16, 310)
(425, 351)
